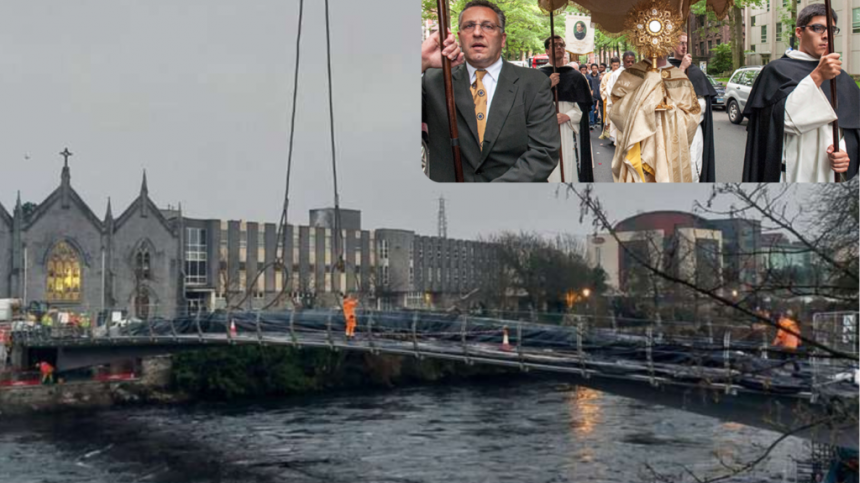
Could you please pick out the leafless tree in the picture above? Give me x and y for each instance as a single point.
(544, 269)
(825, 229)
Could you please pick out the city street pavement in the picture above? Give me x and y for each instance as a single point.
(730, 142)
(729, 139)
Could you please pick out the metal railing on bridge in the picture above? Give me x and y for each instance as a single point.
(725, 356)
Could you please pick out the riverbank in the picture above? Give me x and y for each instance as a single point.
(240, 373)
(153, 386)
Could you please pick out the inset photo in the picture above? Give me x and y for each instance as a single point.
(647, 91)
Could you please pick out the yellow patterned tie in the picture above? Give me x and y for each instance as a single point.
(479, 95)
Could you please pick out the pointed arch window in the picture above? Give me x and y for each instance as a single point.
(142, 265)
(142, 304)
(64, 274)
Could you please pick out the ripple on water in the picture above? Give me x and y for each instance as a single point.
(512, 433)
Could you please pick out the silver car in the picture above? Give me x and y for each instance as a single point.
(738, 91)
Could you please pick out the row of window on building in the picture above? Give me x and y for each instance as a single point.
(430, 261)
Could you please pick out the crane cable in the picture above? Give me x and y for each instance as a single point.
(339, 244)
(282, 226)
(338, 249)
(280, 261)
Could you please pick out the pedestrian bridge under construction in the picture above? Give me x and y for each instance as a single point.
(728, 372)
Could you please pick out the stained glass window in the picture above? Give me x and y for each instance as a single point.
(64, 274)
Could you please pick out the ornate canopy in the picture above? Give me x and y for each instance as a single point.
(610, 15)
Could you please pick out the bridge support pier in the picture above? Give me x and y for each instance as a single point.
(19, 357)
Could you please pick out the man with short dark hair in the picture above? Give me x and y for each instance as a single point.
(602, 68)
(594, 83)
(628, 59)
(574, 99)
(790, 133)
(508, 129)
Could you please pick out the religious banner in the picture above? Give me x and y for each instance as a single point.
(579, 34)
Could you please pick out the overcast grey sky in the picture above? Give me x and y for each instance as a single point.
(198, 93)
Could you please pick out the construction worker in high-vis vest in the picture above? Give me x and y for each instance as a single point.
(47, 372)
(349, 305)
(784, 338)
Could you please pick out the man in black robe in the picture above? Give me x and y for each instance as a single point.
(572, 88)
(789, 136)
(706, 91)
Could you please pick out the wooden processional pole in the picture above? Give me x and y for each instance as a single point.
(834, 101)
(555, 89)
(449, 90)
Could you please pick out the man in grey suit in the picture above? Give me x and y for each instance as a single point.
(507, 124)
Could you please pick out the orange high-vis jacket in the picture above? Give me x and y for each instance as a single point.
(45, 368)
(785, 339)
(349, 307)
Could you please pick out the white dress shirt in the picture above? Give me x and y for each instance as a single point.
(491, 78)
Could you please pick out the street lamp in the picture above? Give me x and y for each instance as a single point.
(586, 292)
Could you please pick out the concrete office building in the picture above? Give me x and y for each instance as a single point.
(681, 243)
(429, 271)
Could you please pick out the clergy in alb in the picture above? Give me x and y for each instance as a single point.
(652, 145)
(790, 136)
(606, 86)
(574, 99)
(702, 150)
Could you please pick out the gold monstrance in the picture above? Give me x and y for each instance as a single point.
(655, 30)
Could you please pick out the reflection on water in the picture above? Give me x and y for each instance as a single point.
(515, 432)
(584, 408)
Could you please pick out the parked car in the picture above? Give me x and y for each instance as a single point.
(720, 100)
(738, 91)
(519, 63)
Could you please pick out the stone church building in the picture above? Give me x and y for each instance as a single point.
(156, 262)
(63, 254)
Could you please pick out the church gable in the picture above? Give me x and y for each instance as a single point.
(64, 201)
(52, 207)
(153, 217)
(5, 217)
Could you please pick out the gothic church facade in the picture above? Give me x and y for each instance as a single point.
(63, 254)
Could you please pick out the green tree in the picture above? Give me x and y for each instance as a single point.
(735, 21)
(736, 17)
(526, 26)
(787, 13)
(721, 61)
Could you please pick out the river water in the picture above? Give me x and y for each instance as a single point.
(511, 432)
